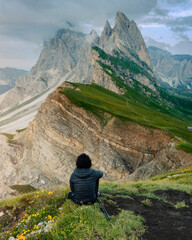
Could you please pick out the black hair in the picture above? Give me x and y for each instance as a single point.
(83, 161)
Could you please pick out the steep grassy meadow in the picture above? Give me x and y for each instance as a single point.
(158, 208)
(132, 106)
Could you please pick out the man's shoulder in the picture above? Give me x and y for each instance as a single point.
(97, 173)
(72, 175)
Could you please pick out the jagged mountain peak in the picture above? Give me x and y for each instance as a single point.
(121, 21)
(106, 33)
(126, 38)
(107, 28)
(93, 38)
(93, 32)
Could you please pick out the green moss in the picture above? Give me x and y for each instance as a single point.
(23, 188)
(21, 130)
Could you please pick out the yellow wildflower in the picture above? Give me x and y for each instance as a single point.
(36, 227)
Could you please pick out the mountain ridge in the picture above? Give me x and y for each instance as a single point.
(8, 77)
(173, 70)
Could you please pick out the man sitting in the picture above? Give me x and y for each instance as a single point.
(84, 182)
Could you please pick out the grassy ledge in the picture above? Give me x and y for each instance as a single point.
(99, 100)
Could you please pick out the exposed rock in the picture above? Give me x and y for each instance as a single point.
(62, 54)
(172, 70)
(126, 37)
(11, 153)
(106, 34)
(93, 38)
(89, 70)
(57, 58)
(61, 131)
(69, 57)
(8, 77)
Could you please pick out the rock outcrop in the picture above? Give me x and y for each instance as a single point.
(61, 131)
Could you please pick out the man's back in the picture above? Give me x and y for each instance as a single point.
(84, 184)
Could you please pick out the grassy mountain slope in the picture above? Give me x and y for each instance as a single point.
(134, 209)
(132, 106)
(116, 66)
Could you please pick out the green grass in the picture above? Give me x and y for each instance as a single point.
(62, 219)
(99, 101)
(179, 106)
(21, 130)
(88, 222)
(180, 176)
(180, 205)
(66, 220)
(42, 206)
(147, 202)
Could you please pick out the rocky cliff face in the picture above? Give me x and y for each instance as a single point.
(45, 154)
(126, 37)
(172, 70)
(57, 58)
(124, 42)
(8, 77)
(69, 55)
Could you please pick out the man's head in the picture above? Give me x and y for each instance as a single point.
(83, 161)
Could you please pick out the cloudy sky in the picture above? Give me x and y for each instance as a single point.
(25, 24)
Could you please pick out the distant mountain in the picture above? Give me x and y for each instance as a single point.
(182, 47)
(76, 57)
(172, 70)
(70, 56)
(8, 77)
(58, 57)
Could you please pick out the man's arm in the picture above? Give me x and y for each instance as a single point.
(99, 175)
(71, 184)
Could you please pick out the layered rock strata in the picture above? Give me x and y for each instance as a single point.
(61, 131)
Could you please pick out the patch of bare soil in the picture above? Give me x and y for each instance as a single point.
(9, 216)
(162, 219)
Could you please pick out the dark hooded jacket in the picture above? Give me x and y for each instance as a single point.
(84, 184)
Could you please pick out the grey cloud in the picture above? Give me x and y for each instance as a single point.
(161, 12)
(179, 29)
(27, 18)
(33, 21)
(34, 5)
(180, 26)
(176, 2)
